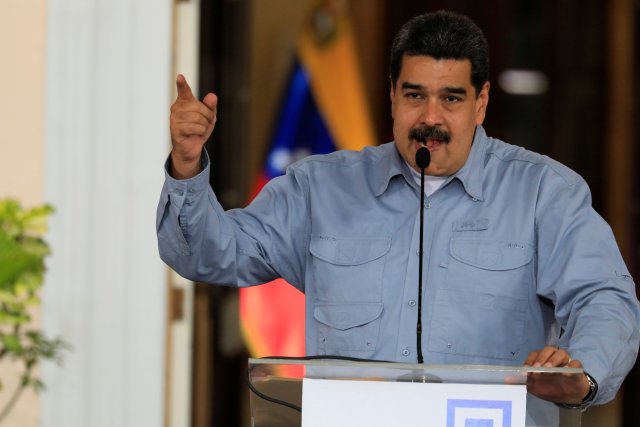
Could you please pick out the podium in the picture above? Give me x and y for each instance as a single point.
(338, 392)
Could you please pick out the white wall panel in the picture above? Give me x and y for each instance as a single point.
(108, 86)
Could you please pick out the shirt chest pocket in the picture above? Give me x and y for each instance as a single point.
(481, 309)
(347, 327)
(348, 269)
(347, 276)
(495, 266)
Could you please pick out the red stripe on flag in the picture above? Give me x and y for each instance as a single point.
(261, 181)
(273, 319)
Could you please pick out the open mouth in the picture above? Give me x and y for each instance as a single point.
(434, 144)
(430, 144)
(429, 136)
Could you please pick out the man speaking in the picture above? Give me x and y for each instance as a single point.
(518, 268)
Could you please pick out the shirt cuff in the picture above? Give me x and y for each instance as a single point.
(195, 183)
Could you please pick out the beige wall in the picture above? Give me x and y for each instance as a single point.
(22, 28)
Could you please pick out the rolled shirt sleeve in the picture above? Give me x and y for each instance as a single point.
(580, 270)
(240, 247)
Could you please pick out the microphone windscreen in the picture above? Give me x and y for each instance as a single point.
(423, 158)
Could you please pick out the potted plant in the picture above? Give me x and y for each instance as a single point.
(22, 267)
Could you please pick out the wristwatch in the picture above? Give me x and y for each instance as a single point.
(586, 401)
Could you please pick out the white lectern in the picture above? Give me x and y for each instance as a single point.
(335, 392)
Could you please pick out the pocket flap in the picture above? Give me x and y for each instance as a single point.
(492, 254)
(345, 316)
(348, 250)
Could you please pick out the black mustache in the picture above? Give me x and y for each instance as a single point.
(425, 133)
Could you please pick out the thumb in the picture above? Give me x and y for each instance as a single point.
(211, 101)
(574, 363)
(184, 90)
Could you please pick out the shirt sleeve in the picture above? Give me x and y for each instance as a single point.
(239, 247)
(581, 271)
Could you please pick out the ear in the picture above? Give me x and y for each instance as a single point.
(482, 101)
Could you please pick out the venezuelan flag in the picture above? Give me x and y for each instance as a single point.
(324, 109)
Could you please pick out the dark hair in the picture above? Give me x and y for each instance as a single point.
(442, 35)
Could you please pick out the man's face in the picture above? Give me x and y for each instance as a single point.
(434, 103)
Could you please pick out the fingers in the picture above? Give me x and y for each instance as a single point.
(186, 102)
(191, 123)
(211, 101)
(190, 117)
(184, 90)
(555, 387)
(202, 116)
(561, 388)
(186, 130)
(185, 94)
(186, 123)
(548, 357)
(574, 364)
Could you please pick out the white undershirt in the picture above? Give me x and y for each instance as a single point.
(431, 183)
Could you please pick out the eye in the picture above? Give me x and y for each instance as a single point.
(452, 99)
(413, 95)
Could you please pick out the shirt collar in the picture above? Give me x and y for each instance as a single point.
(390, 164)
(386, 166)
(470, 175)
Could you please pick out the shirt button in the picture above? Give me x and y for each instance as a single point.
(406, 352)
(418, 252)
(412, 303)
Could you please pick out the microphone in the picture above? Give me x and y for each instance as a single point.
(423, 158)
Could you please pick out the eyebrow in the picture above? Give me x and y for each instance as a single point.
(448, 89)
(456, 90)
(412, 86)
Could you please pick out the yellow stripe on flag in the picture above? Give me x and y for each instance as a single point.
(337, 86)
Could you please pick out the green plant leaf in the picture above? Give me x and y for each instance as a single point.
(8, 297)
(22, 267)
(11, 343)
(14, 261)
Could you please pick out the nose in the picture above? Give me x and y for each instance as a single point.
(432, 113)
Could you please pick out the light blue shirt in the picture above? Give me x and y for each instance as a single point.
(515, 257)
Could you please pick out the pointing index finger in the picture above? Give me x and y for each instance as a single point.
(184, 90)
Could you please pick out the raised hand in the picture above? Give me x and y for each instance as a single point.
(191, 123)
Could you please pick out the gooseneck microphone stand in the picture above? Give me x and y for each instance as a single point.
(423, 158)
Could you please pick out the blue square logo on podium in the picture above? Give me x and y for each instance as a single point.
(478, 413)
(472, 422)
